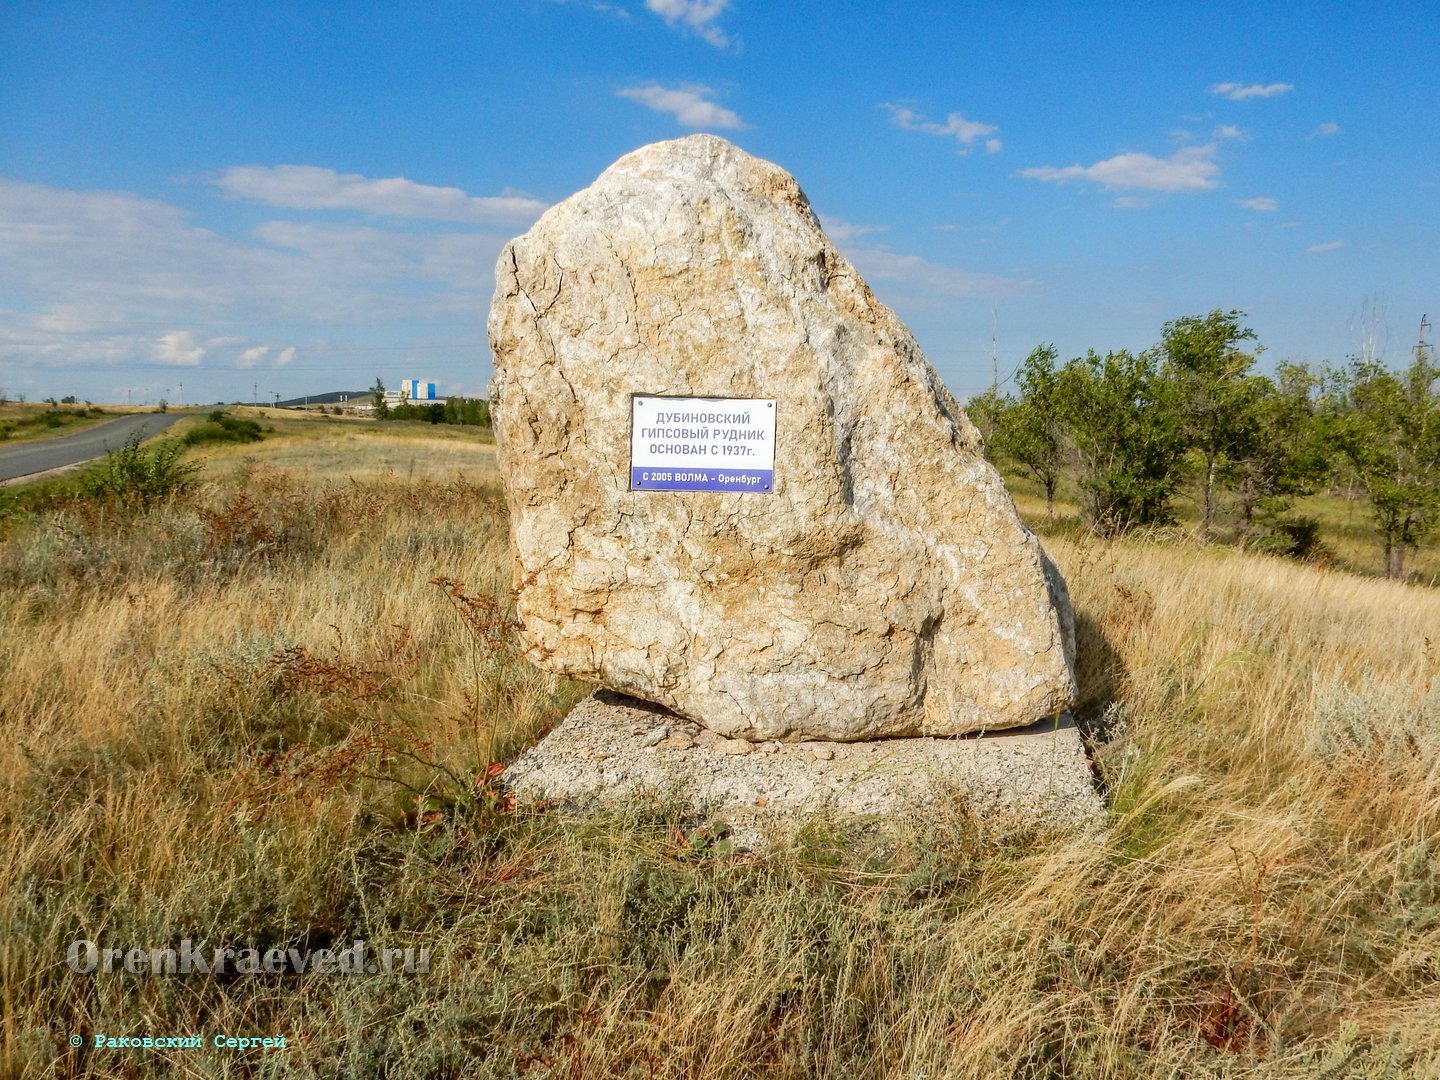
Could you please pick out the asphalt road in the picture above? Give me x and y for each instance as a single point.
(23, 459)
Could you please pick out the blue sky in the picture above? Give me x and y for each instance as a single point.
(301, 197)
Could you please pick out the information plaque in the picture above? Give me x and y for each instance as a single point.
(702, 444)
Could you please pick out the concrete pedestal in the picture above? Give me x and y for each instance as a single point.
(611, 746)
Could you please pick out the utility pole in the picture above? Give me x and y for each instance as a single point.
(994, 352)
(1422, 345)
(255, 394)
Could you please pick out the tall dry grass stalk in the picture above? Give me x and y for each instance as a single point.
(251, 718)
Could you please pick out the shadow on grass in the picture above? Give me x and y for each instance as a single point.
(1101, 674)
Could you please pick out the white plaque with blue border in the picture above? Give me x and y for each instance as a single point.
(702, 444)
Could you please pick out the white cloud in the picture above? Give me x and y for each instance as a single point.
(63, 318)
(687, 104)
(177, 349)
(1328, 128)
(1264, 204)
(842, 232)
(460, 260)
(1189, 169)
(256, 356)
(1133, 202)
(993, 146)
(310, 187)
(696, 16)
(965, 132)
(1319, 249)
(1237, 92)
(1227, 131)
(933, 280)
(107, 278)
(609, 11)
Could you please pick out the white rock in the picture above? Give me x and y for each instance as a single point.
(885, 587)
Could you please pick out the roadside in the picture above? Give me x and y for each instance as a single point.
(26, 460)
(24, 423)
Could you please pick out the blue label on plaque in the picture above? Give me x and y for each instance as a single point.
(704, 479)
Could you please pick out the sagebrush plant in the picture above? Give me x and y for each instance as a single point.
(263, 714)
(139, 477)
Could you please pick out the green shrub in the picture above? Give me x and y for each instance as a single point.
(138, 477)
(1295, 538)
(221, 427)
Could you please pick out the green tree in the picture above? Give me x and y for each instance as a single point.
(984, 411)
(1029, 430)
(1277, 448)
(434, 412)
(470, 411)
(377, 398)
(1122, 432)
(1209, 370)
(1388, 426)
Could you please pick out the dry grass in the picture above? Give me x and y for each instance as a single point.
(320, 447)
(250, 717)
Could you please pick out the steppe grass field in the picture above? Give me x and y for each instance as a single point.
(263, 714)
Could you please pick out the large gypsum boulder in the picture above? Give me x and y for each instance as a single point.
(883, 585)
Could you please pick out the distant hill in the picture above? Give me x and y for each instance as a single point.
(332, 398)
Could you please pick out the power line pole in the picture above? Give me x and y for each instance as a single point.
(994, 352)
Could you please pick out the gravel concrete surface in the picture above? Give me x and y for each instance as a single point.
(611, 746)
